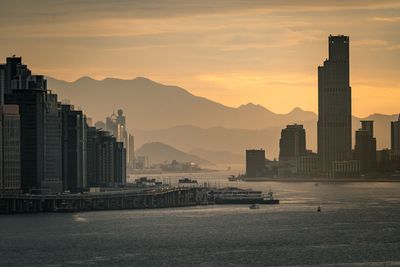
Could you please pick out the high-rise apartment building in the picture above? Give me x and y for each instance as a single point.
(395, 138)
(292, 146)
(255, 162)
(10, 169)
(40, 127)
(74, 149)
(334, 106)
(293, 142)
(365, 147)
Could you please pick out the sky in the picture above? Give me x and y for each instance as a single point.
(233, 52)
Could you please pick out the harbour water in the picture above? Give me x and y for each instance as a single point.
(359, 226)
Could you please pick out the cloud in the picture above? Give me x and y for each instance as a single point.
(387, 19)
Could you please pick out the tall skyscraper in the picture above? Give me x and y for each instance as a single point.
(40, 127)
(395, 138)
(10, 172)
(74, 148)
(334, 105)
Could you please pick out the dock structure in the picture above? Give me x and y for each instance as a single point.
(113, 200)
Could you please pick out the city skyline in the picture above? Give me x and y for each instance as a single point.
(233, 53)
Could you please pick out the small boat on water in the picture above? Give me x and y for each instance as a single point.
(319, 209)
(254, 206)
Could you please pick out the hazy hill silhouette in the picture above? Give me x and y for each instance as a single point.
(151, 105)
(172, 115)
(161, 153)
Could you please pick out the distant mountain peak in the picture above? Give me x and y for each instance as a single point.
(84, 79)
(252, 106)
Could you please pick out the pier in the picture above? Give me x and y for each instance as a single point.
(113, 200)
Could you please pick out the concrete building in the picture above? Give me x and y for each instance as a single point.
(345, 169)
(74, 149)
(52, 180)
(292, 145)
(334, 106)
(32, 108)
(255, 162)
(10, 172)
(131, 152)
(307, 165)
(395, 138)
(101, 159)
(365, 147)
(120, 164)
(40, 129)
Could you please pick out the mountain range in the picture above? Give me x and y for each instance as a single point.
(162, 153)
(151, 105)
(194, 124)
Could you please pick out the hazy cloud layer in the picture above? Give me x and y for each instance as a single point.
(230, 51)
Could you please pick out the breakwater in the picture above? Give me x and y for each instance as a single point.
(114, 200)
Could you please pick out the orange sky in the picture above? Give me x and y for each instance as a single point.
(233, 52)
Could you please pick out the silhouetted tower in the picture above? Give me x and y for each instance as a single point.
(365, 147)
(292, 143)
(395, 138)
(334, 105)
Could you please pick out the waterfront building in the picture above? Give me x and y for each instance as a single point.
(334, 107)
(74, 158)
(131, 152)
(32, 108)
(40, 127)
(255, 162)
(120, 164)
(101, 159)
(307, 165)
(91, 153)
(52, 180)
(10, 169)
(345, 169)
(292, 145)
(365, 147)
(395, 138)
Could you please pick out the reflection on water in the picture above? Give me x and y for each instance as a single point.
(359, 226)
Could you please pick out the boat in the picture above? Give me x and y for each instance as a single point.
(254, 206)
(233, 178)
(319, 209)
(232, 195)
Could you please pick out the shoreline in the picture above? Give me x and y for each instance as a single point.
(310, 180)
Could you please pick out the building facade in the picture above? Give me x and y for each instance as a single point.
(10, 173)
(395, 138)
(334, 106)
(255, 162)
(365, 147)
(74, 149)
